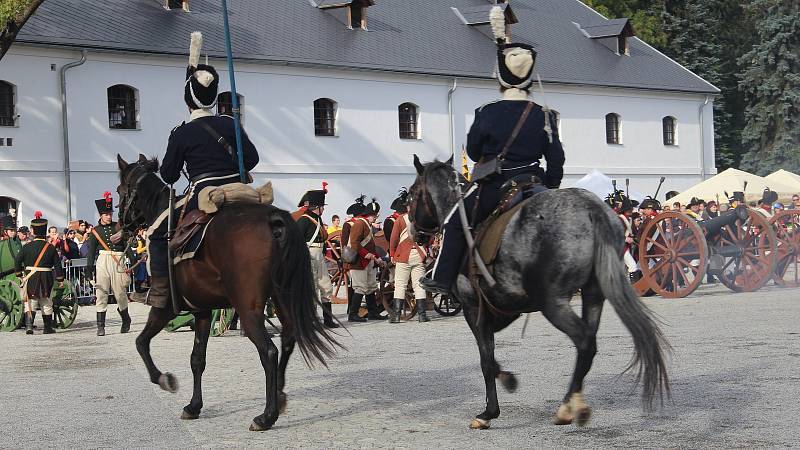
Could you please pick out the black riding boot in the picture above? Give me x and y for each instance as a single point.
(48, 324)
(126, 320)
(158, 295)
(28, 323)
(372, 308)
(101, 323)
(422, 310)
(327, 316)
(33, 319)
(397, 310)
(353, 305)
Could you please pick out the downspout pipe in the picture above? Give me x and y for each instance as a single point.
(62, 73)
(703, 141)
(451, 119)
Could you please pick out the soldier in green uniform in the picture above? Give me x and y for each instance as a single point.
(39, 265)
(9, 249)
(106, 264)
(310, 223)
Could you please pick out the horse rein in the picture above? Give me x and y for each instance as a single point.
(130, 199)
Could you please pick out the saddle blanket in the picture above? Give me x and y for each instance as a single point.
(192, 245)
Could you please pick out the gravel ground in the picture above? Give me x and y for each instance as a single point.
(412, 385)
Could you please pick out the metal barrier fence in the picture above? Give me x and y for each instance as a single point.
(75, 272)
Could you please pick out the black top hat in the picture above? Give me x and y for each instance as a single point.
(39, 225)
(357, 208)
(105, 205)
(202, 80)
(400, 204)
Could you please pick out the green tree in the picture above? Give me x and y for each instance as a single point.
(770, 80)
(13, 15)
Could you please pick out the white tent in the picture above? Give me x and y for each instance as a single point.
(732, 180)
(601, 185)
(785, 177)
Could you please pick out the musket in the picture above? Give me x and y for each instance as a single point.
(627, 187)
(660, 182)
(170, 270)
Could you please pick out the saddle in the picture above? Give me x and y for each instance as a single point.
(191, 223)
(490, 231)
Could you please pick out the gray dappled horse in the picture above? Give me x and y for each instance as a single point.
(559, 242)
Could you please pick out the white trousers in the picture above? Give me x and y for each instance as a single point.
(630, 263)
(364, 281)
(111, 278)
(321, 276)
(413, 269)
(45, 303)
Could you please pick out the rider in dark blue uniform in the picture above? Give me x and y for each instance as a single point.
(490, 133)
(206, 145)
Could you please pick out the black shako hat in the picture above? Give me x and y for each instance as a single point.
(105, 205)
(515, 61)
(8, 223)
(202, 80)
(39, 225)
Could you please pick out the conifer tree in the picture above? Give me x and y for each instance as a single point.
(770, 80)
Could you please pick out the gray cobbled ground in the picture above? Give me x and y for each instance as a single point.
(734, 372)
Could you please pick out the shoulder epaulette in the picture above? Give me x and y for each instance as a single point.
(173, 130)
(480, 108)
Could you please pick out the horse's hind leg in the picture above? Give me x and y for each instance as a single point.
(156, 321)
(253, 324)
(287, 347)
(202, 328)
(583, 333)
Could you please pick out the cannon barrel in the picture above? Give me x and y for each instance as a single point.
(713, 226)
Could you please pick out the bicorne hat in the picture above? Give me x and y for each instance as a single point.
(39, 225)
(202, 80)
(400, 204)
(650, 203)
(105, 205)
(769, 196)
(357, 208)
(738, 196)
(8, 223)
(372, 208)
(695, 202)
(515, 61)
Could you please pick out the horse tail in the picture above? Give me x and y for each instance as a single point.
(296, 289)
(650, 345)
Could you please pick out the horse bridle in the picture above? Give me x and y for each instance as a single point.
(129, 222)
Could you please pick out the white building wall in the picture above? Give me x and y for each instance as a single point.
(367, 154)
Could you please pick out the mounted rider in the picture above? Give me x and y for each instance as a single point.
(206, 146)
(492, 133)
(39, 266)
(105, 264)
(310, 223)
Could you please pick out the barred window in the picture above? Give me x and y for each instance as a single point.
(7, 105)
(225, 104)
(669, 125)
(324, 117)
(612, 128)
(408, 115)
(123, 110)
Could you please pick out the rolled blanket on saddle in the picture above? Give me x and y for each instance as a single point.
(211, 198)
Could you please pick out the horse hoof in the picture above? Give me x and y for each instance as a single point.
(185, 415)
(259, 424)
(256, 427)
(580, 409)
(479, 424)
(582, 416)
(508, 380)
(168, 382)
(282, 402)
(563, 415)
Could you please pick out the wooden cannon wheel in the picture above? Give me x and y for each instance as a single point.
(9, 294)
(65, 306)
(752, 265)
(786, 225)
(673, 254)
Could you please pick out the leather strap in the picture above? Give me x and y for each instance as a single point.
(516, 131)
(105, 246)
(41, 254)
(221, 140)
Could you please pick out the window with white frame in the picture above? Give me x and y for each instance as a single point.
(613, 128)
(670, 127)
(408, 118)
(324, 117)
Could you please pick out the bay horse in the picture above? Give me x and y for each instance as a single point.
(560, 241)
(250, 252)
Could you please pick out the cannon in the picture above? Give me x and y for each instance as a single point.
(787, 260)
(676, 252)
